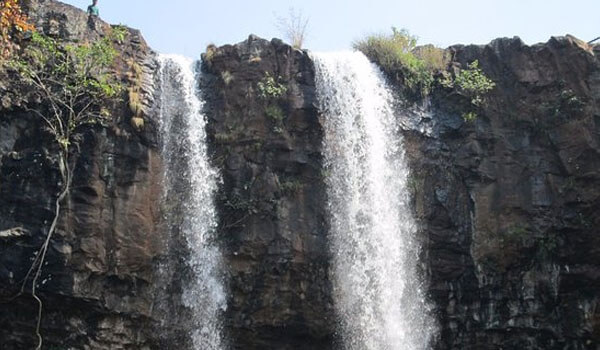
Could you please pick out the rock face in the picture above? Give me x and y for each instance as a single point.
(271, 203)
(508, 204)
(97, 281)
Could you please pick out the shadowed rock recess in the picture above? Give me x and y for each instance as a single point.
(508, 205)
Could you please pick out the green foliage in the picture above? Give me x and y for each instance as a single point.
(517, 232)
(256, 146)
(469, 116)
(270, 87)
(435, 58)
(275, 113)
(398, 52)
(564, 105)
(569, 99)
(471, 82)
(419, 67)
(388, 50)
(568, 104)
(118, 33)
(224, 138)
(547, 247)
(291, 186)
(73, 80)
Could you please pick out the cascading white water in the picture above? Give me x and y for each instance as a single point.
(378, 294)
(191, 183)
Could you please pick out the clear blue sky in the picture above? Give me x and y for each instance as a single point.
(187, 26)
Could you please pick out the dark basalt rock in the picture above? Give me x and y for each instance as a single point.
(508, 204)
(271, 202)
(97, 282)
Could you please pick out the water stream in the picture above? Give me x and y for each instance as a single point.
(379, 296)
(191, 183)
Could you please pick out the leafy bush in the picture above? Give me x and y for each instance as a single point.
(72, 79)
(435, 58)
(569, 103)
(472, 83)
(270, 87)
(275, 113)
(421, 67)
(398, 52)
(469, 116)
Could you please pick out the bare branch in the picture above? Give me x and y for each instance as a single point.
(293, 27)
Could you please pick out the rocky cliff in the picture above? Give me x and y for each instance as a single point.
(271, 203)
(97, 281)
(507, 204)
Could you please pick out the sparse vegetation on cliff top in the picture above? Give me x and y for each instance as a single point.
(420, 68)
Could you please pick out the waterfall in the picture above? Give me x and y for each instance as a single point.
(190, 185)
(379, 297)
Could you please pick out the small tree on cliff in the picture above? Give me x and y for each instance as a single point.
(71, 83)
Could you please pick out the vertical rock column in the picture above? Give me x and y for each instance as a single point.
(271, 202)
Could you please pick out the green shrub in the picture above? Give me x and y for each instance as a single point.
(275, 113)
(74, 79)
(472, 83)
(435, 58)
(568, 103)
(398, 52)
(469, 116)
(224, 138)
(421, 67)
(271, 87)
